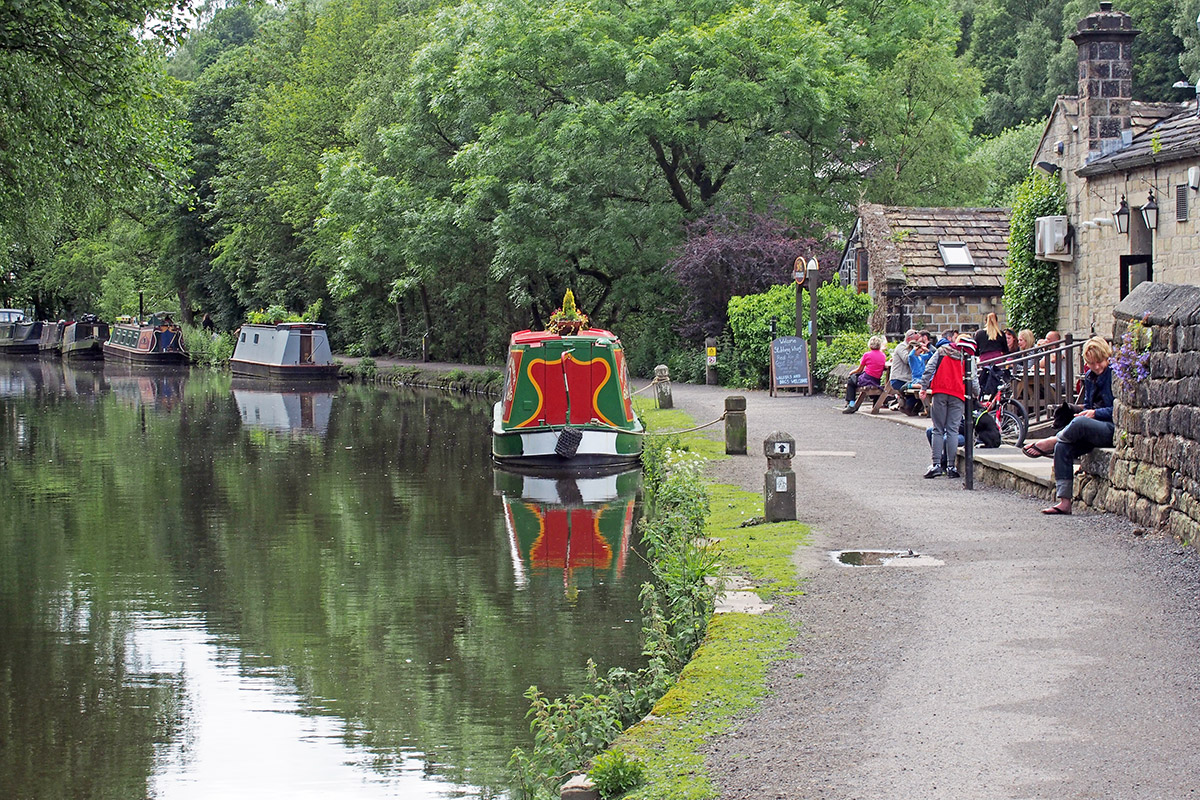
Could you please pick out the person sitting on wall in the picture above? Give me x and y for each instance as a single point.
(1092, 427)
(869, 372)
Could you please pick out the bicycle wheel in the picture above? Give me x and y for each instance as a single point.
(1012, 429)
(1018, 408)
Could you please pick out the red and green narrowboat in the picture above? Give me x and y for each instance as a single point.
(566, 404)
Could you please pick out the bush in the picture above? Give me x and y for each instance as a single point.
(839, 310)
(615, 773)
(846, 348)
(205, 348)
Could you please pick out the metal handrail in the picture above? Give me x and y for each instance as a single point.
(1044, 377)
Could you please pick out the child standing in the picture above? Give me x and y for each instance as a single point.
(943, 378)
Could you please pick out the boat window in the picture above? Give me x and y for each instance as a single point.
(256, 338)
(243, 337)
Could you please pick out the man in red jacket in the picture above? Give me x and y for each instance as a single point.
(944, 379)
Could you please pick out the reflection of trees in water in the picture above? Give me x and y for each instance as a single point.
(369, 565)
(75, 721)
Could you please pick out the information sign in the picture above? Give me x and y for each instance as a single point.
(789, 364)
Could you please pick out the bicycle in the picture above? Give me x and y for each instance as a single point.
(1012, 418)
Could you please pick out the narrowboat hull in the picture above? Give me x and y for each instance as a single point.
(566, 406)
(50, 343)
(144, 345)
(84, 341)
(20, 338)
(84, 350)
(284, 352)
(280, 372)
(130, 355)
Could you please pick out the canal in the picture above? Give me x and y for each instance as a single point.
(210, 589)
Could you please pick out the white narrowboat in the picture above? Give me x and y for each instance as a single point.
(283, 351)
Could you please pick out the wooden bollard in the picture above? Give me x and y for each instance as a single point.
(662, 386)
(735, 425)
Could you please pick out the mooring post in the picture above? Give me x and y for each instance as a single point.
(710, 361)
(735, 426)
(662, 386)
(779, 485)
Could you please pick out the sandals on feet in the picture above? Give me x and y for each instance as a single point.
(1033, 451)
(1055, 510)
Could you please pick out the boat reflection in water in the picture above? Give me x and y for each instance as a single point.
(581, 527)
(293, 408)
(160, 387)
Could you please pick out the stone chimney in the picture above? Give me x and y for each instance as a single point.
(1105, 41)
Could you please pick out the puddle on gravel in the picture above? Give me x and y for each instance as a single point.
(884, 558)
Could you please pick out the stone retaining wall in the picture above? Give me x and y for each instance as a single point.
(1152, 475)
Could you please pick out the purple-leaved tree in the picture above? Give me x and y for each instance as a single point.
(736, 252)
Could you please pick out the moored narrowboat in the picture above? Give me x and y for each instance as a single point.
(50, 343)
(156, 341)
(566, 404)
(284, 351)
(18, 334)
(84, 339)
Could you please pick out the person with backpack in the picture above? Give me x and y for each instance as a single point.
(943, 381)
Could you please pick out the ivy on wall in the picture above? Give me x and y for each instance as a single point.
(1031, 286)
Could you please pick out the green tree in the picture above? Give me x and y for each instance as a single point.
(1002, 162)
(86, 112)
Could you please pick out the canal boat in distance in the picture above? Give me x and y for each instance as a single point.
(566, 405)
(157, 341)
(83, 340)
(50, 343)
(18, 335)
(284, 351)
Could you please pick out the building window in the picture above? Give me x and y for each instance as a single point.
(955, 254)
(1181, 209)
(860, 267)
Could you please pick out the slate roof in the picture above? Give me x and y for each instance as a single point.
(1173, 138)
(904, 242)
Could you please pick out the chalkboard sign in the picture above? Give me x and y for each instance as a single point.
(789, 363)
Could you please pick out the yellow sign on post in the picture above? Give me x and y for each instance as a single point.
(712, 351)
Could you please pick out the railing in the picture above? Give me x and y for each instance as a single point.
(1044, 378)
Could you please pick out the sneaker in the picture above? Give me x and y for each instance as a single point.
(850, 409)
(952, 472)
(933, 471)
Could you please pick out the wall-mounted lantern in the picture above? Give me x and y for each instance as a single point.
(1150, 213)
(1121, 215)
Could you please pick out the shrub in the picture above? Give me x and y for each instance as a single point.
(615, 773)
(846, 348)
(205, 348)
(839, 309)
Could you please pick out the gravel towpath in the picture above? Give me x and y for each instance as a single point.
(1047, 657)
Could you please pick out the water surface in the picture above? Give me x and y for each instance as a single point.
(209, 589)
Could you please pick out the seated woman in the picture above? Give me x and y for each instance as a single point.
(1092, 427)
(870, 370)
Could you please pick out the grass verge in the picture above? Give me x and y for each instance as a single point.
(727, 676)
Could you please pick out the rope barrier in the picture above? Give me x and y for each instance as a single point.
(600, 424)
(652, 383)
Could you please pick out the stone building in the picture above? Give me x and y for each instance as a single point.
(934, 268)
(1117, 156)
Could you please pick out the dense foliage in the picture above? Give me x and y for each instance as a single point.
(440, 173)
(1031, 286)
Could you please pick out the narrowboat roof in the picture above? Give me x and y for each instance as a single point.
(537, 337)
(299, 326)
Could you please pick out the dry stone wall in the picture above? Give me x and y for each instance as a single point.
(1152, 475)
